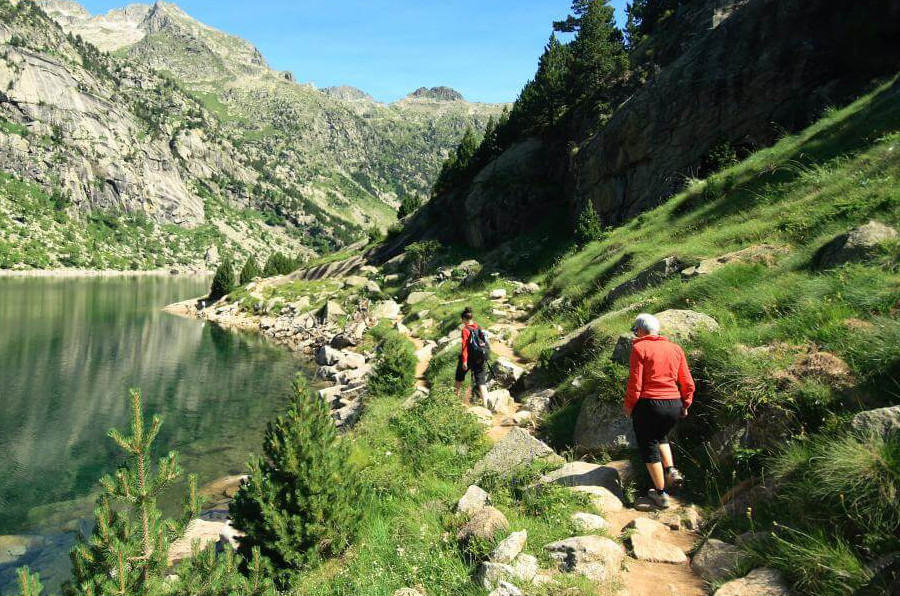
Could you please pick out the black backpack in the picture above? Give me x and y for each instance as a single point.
(479, 348)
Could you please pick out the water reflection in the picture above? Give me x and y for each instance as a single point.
(69, 351)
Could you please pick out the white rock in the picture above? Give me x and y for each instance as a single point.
(499, 401)
(505, 589)
(589, 522)
(506, 373)
(387, 309)
(350, 360)
(509, 548)
(327, 356)
(417, 297)
(498, 294)
(601, 498)
(475, 498)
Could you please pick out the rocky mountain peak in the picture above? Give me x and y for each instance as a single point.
(436, 94)
(347, 93)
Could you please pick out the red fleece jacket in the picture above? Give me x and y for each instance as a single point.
(466, 332)
(659, 370)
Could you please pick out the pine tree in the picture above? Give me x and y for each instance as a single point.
(409, 205)
(29, 583)
(466, 150)
(207, 573)
(599, 57)
(303, 500)
(223, 281)
(250, 271)
(395, 368)
(127, 553)
(278, 264)
(572, 23)
(588, 227)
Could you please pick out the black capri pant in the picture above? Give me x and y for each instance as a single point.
(652, 420)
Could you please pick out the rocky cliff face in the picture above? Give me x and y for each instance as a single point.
(760, 68)
(735, 72)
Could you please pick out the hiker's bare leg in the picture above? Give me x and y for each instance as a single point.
(483, 392)
(458, 387)
(665, 453)
(656, 475)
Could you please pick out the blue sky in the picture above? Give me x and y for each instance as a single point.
(486, 49)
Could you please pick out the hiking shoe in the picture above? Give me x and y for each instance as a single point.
(659, 498)
(674, 479)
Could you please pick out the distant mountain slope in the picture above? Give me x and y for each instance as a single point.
(354, 159)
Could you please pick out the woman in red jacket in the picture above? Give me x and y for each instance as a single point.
(660, 391)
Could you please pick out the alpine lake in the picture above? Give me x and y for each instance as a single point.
(70, 350)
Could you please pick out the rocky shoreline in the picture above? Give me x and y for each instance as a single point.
(66, 273)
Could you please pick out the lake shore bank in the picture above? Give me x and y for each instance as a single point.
(66, 273)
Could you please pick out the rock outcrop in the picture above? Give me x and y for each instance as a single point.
(858, 244)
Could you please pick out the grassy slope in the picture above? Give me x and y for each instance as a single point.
(800, 193)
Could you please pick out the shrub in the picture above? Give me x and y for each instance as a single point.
(847, 483)
(208, 573)
(223, 280)
(435, 423)
(250, 271)
(395, 367)
(588, 227)
(813, 563)
(409, 205)
(278, 264)
(303, 500)
(418, 255)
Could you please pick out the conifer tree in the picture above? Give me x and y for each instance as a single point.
(572, 23)
(29, 583)
(588, 227)
(466, 150)
(599, 58)
(303, 500)
(250, 271)
(409, 205)
(207, 573)
(223, 281)
(278, 264)
(127, 553)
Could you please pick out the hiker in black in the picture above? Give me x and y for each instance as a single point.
(473, 356)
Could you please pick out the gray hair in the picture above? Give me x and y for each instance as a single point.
(647, 322)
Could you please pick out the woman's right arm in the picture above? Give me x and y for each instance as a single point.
(635, 381)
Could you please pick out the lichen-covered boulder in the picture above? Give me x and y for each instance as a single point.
(858, 244)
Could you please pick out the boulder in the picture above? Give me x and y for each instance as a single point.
(342, 340)
(522, 417)
(650, 547)
(498, 294)
(328, 356)
(329, 393)
(538, 402)
(484, 525)
(347, 377)
(653, 275)
(646, 526)
(330, 312)
(394, 265)
(407, 592)
(491, 573)
(601, 498)
(203, 531)
(858, 244)
(761, 253)
(881, 421)
(326, 373)
(580, 473)
(602, 425)
(509, 548)
(715, 560)
(356, 281)
(484, 415)
(589, 522)
(417, 297)
(516, 449)
(677, 325)
(505, 589)
(499, 401)
(350, 360)
(506, 373)
(348, 415)
(386, 309)
(529, 288)
(372, 287)
(595, 557)
(526, 568)
(759, 582)
(474, 499)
